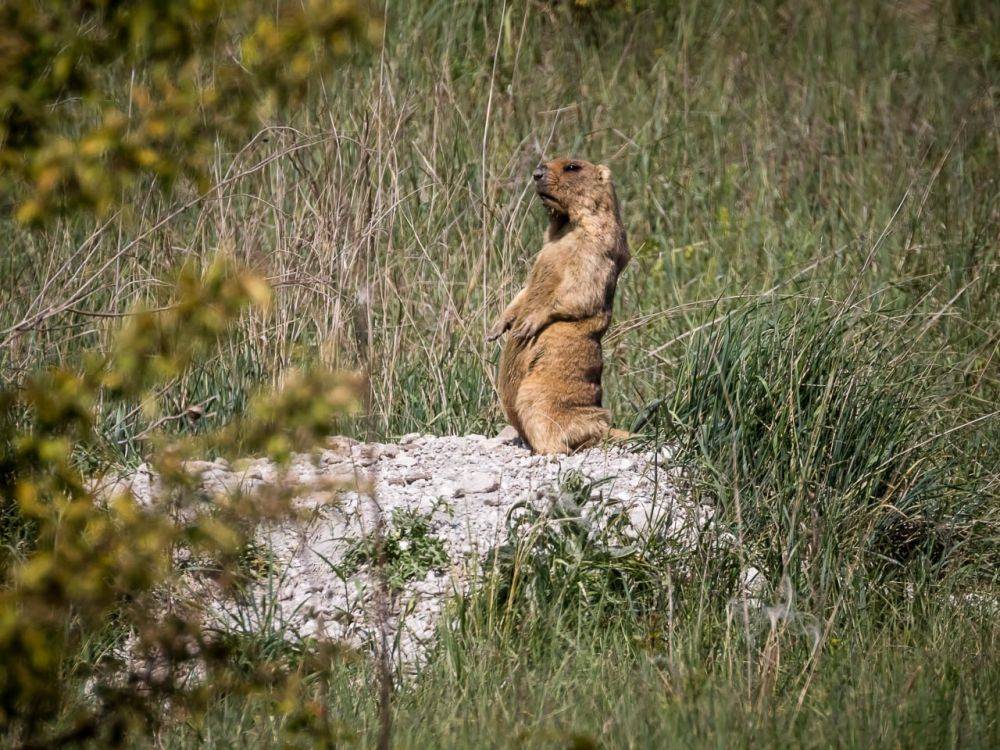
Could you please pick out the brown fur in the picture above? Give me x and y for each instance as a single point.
(550, 368)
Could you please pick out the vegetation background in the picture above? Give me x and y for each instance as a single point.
(811, 194)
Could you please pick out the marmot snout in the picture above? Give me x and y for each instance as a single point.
(551, 366)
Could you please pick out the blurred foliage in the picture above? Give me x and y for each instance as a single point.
(91, 558)
(198, 71)
(602, 4)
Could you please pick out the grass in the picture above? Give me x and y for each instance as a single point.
(818, 443)
(408, 551)
(588, 689)
(753, 147)
(890, 691)
(811, 195)
(534, 659)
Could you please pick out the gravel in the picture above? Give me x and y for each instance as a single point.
(451, 494)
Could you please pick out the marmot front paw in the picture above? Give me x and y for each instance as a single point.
(528, 327)
(497, 330)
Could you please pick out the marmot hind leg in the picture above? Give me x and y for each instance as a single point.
(564, 431)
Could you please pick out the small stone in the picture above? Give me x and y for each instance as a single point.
(666, 453)
(628, 463)
(261, 469)
(477, 482)
(409, 478)
(408, 438)
(406, 460)
(752, 581)
(448, 490)
(330, 458)
(341, 444)
(388, 451)
(199, 467)
(362, 455)
(507, 436)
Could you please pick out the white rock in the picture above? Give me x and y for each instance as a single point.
(752, 581)
(409, 478)
(477, 482)
(199, 467)
(143, 484)
(507, 436)
(387, 451)
(465, 487)
(331, 458)
(341, 444)
(447, 490)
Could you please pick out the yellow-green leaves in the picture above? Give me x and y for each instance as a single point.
(155, 346)
(301, 412)
(88, 558)
(198, 71)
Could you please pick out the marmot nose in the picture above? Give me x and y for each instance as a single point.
(539, 173)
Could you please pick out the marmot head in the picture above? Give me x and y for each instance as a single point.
(575, 189)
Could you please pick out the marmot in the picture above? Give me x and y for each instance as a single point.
(550, 368)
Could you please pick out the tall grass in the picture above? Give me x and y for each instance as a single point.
(754, 146)
(564, 645)
(821, 445)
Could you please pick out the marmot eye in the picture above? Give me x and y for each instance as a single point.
(571, 168)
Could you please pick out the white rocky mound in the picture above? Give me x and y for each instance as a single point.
(444, 503)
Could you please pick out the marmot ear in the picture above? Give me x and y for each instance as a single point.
(604, 173)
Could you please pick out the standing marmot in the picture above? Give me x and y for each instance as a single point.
(550, 369)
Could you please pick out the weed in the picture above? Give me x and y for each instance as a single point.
(410, 550)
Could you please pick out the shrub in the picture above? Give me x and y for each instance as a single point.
(567, 564)
(200, 71)
(80, 569)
